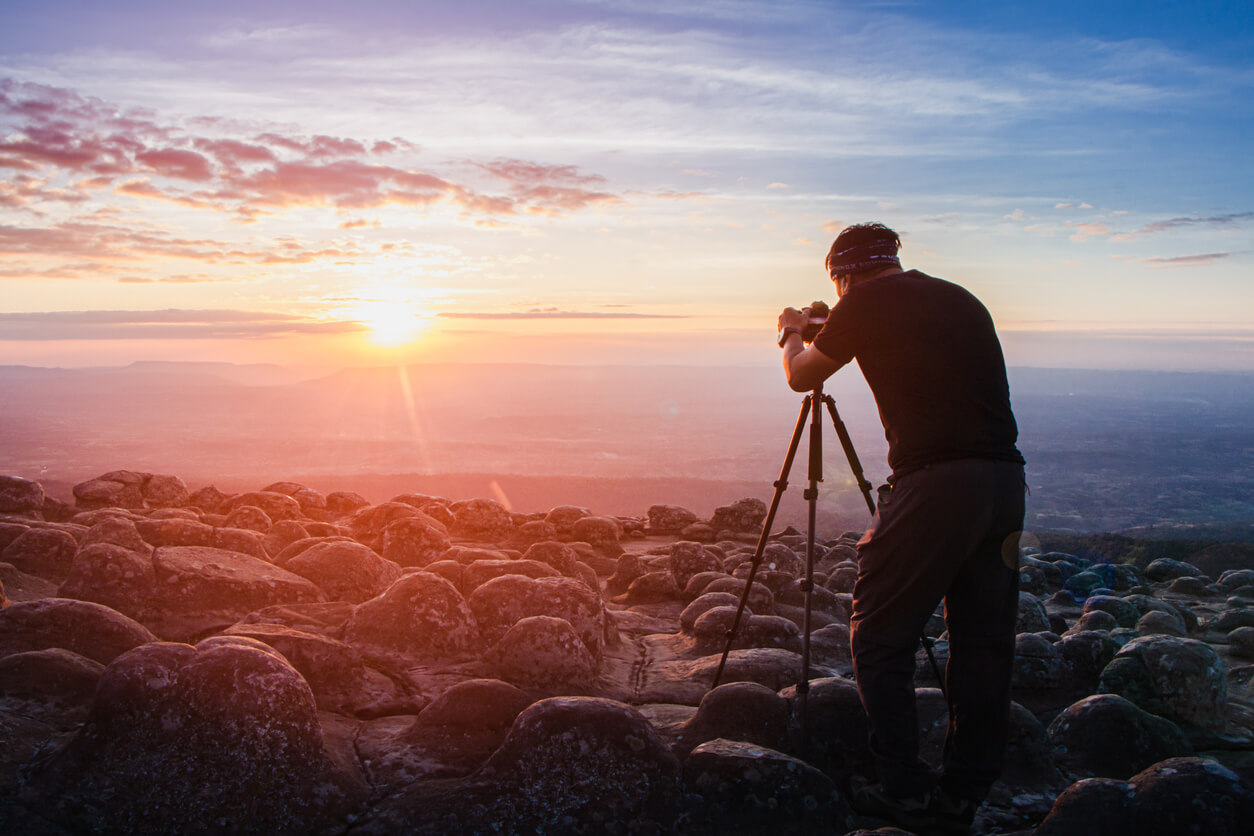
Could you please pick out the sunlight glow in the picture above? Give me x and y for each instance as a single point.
(391, 320)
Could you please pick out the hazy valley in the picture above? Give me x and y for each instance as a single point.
(1107, 451)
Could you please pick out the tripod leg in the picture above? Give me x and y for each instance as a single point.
(850, 453)
(815, 476)
(807, 408)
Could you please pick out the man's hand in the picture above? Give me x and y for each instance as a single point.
(805, 366)
(793, 318)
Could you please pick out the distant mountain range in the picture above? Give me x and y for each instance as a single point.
(1106, 450)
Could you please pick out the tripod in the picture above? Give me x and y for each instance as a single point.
(811, 409)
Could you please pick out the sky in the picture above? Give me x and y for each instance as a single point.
(615, 181)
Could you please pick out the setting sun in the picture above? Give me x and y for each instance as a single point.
(391, 322)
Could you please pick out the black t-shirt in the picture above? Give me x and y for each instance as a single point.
(929, 352)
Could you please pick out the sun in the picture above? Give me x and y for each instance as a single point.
(391, 322)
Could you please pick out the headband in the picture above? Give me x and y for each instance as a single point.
(882, 253)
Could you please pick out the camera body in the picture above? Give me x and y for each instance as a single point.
(817, 312)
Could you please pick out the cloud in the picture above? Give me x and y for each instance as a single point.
(58, 131)
(176, 163)
(1185, 260)
(1216, 221)
(162, 324)
(549, 313)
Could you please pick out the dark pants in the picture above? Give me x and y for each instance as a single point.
(950, 531)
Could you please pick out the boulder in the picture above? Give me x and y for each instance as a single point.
(162, 491)
(1241, 642)
(241, 540)
(564, 517)
(737, 711)
(113, 576)
(669, 519)
(534, 531)
(542, 651)
(345, 571)
(1032, 617)
(20, 496)
(1166, 569)
(477, 703)
(415, 540)
(627, 569)
(46, 552)
(209, 499)
(743, 516)
(601, 533)
(552, 553)
(164, 748)
(117, 489)
(281, 535)
(276, 506)
(502, 602)
(198, 589)
(651, 588)
(482, 571)
(53, 676)
(485, 520)
(248, 517)
(1125, 612)
(1178, 795)
(1087, 653)
(1158, 622)
(119, 532)
(1180, 679)
(761, 599)
(174, 532)
(753, 789)
(705, 603)
(88, 629)
(343, 503)
(421, 615)
(1106, 736)
(1225, 622)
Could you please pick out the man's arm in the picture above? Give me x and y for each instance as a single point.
(805, 366)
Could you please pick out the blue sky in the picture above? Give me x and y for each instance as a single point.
(606, 180)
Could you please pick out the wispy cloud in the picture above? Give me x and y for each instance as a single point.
(1229, 221)
(58, 131)
(162, 324)
(1185, 260)
(555, 314)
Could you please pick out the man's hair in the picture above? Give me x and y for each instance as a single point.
(860, 243)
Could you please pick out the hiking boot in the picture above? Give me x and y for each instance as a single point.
(952, 814)
(913, 813)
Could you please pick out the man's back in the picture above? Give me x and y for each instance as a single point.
(930, 354)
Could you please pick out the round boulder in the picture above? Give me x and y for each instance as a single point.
(20, 496)
(1106, 736)
(543, 651)
(669, 519)
(1180, 679)
(162, 748)
(502, 602)
(420, 615)
(743, 516)
(1032, 617)
(345, 571)
(564, 517)
(416, 540)
(485, 520)
(88, 629)
(46, 552)
(1178, 795)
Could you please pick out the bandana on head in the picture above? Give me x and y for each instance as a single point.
(864, 257)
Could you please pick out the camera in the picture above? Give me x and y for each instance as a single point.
(817, 312)
(816, 317)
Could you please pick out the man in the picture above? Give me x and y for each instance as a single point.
(947, 523)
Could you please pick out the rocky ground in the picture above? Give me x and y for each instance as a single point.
(283, 661)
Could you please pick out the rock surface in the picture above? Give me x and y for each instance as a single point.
(425, 665)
